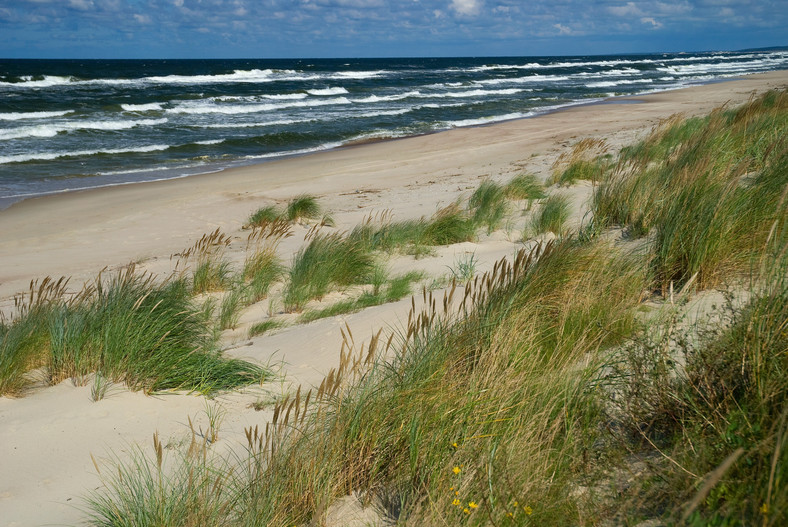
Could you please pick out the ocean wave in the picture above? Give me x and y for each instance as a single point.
(301, 151)
(608, 84)
(49, 156)
(45, 82)
(692, 69)
(384, 113)
(472, 93)
(51, 130)
(328, 91)
(149, 107)
(388, 98)
(201, 108)
(281, 122)
(210, 142)
(16, 116)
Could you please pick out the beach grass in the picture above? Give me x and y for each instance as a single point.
(545, 392)
(148, 335)
(524, 187)
(488, 205)
(327, 261)
(303, 206)
(264, 215)
(552, 215)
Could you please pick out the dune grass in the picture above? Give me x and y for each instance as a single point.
(542, 397)
(302, 206)
(552, 215)
(524, 187)
(449, 225)
(132, 329)
(263, 216)
(708, 190)
(488, 205)
(327, 261)
(390, 291)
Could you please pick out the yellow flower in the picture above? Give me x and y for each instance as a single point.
(472, 504)
(765, 508)
(456, 492)
(528, 510)
(451, 488)
(455, 445)
(509, 514)
(516, 504)
(456, 470)
(456, 502)
(466, 511)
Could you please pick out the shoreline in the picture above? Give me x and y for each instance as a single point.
(185, 172)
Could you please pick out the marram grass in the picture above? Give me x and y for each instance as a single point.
(535, 394)
(134, 330)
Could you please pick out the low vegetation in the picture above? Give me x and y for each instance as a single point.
(546, 392)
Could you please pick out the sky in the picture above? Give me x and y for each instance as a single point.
(380, 28)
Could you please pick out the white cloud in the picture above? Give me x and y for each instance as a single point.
(655, 24)
(562, 29)
(142, 19)
(466, 7)
(630, 9)
(83, 5)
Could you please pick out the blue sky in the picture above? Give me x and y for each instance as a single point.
(380, 28)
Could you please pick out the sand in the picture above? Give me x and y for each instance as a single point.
(47, 437)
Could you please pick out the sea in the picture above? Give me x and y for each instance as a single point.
(75, 124)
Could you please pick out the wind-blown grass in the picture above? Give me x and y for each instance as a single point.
(449, 225)
(303, 206)
(524, 186)
(131, 329)
(539, 398)
(329, 260)
(709, 189)
(488, 205)
(552, 215)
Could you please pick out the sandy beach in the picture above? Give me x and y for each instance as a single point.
(47, 437)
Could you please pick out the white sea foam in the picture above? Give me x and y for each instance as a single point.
(338, 90)
(387, 98)
(51, 130)
(473, 93)
(384, 113)
(149, 107)
(45, 82)
(48, 156)
(16, 116)
(608, 84)
(280, 122)
(202, 108)
(210, 142)
(360, 75)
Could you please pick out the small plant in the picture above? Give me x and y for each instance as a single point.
(302, 207)
(488, 205)
(465, 267)
(230, 308)
(99, 388)
(265, 326)
(524, 187)
(329, 260)
(211, 275)
(552, 216)
(261, 270)
(263, 216)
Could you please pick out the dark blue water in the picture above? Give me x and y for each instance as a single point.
(68, 124)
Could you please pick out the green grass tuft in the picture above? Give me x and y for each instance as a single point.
(303, 207)
(552, 215)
